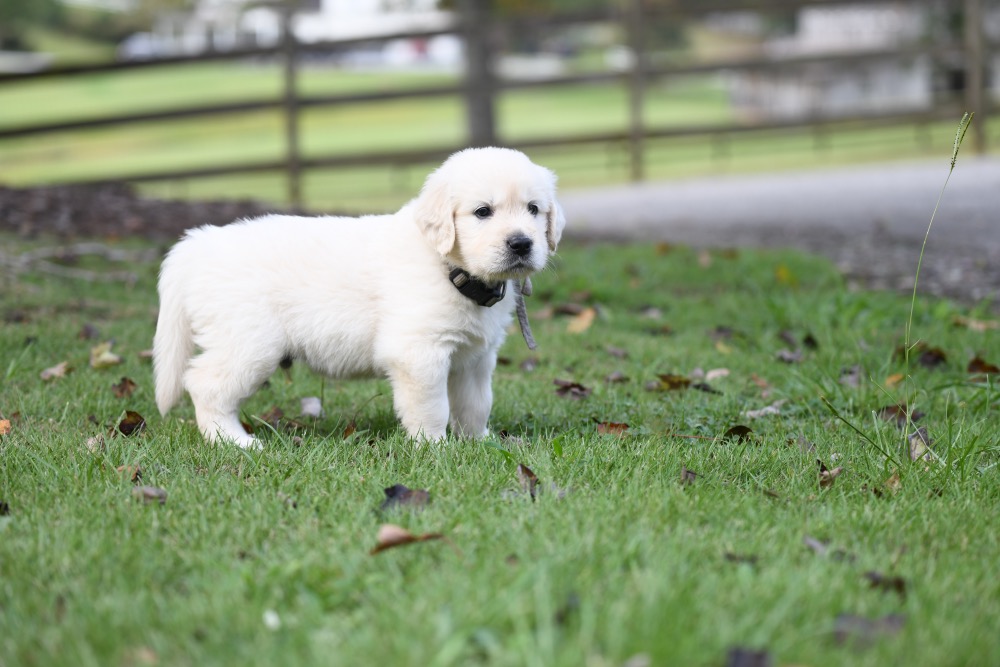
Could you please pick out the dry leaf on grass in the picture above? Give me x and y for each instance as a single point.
(739, 656)
(827, 475)
(920, 445)
(399, 495)
(131, 424)
(125, 388)
(977, 325)
(311, 407)
(616, 351)
(612, 428)
(101, 356)
(581, 322)
(789, 356)
(527, 479)
(616, 377)
(150, 494)
(980, 369)
(57, 371)
(130, 473)
(688, 476)
(669, 382)
(391, 536)
(887, 583)
(739, 433)
(5, 427)
(896, 413)
(851, 377)
(773, 409)
(573, 390)
(862, 631)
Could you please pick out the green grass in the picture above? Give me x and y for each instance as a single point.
(625, 560)
(402, 125)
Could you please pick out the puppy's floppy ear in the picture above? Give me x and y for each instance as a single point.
(555, 224)
(434, 214)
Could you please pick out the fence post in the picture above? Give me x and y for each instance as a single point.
(480, 78)
(290, 106)
(975, 66)
(636, 83)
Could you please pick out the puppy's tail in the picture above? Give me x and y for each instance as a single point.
(172, 344)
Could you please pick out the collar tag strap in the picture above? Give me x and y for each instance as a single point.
(472, 288)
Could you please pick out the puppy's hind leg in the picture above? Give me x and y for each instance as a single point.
(218, 383)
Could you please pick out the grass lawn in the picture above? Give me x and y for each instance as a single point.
(263, 558)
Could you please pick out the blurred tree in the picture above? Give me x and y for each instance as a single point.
(18, 16)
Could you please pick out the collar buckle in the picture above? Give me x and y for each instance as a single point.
(482, 293)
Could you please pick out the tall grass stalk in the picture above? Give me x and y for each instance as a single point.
(908, 345)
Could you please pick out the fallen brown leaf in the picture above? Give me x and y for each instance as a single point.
(851, 377)
(88, 332)
(150, 494)
(573, 390)
(131, 424)
(980, 369)
(57, 371)
(887, 583)
(738, 656)
(977, 325)
(688, 476)
(863, 631)
(920, 444)
(893, 380)
(130, 473)
(897, 412)
(399, 495)
(529, 364)
(272, 417)
(789, 356)
(125, 388)
(739, 433)
(826, 475)
(528, 480)
(616, 377)
(391, 536)
(773, 409)
(669, 382)
(581, 322)
(5, 427)
(101, 356)
(616, 351)
(612, 428)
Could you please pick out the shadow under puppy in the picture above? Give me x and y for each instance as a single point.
(360, 297)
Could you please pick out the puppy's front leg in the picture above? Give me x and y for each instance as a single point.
(471, 392)
(420, 394)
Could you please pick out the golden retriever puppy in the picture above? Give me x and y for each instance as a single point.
(422, 297)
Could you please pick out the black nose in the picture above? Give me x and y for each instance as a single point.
(520, 245)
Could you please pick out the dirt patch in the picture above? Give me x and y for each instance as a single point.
(112, 210)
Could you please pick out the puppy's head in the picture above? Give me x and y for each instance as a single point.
(491, 211)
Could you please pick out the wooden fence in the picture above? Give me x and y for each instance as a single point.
(480, 28)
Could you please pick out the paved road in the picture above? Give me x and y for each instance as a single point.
(869, 219)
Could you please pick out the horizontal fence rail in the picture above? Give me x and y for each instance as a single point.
(481, 86)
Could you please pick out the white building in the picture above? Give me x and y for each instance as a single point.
(228, 24)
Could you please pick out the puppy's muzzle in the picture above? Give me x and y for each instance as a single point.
(520, 245)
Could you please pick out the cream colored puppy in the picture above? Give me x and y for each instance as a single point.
(422, 297)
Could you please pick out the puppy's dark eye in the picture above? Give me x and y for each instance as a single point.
(483, 212)
(533, 209)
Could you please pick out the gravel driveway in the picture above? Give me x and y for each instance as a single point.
(870, 220)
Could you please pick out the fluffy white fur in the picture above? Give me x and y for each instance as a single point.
(358, 297)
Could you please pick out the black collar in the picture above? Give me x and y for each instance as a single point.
(473, 288)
